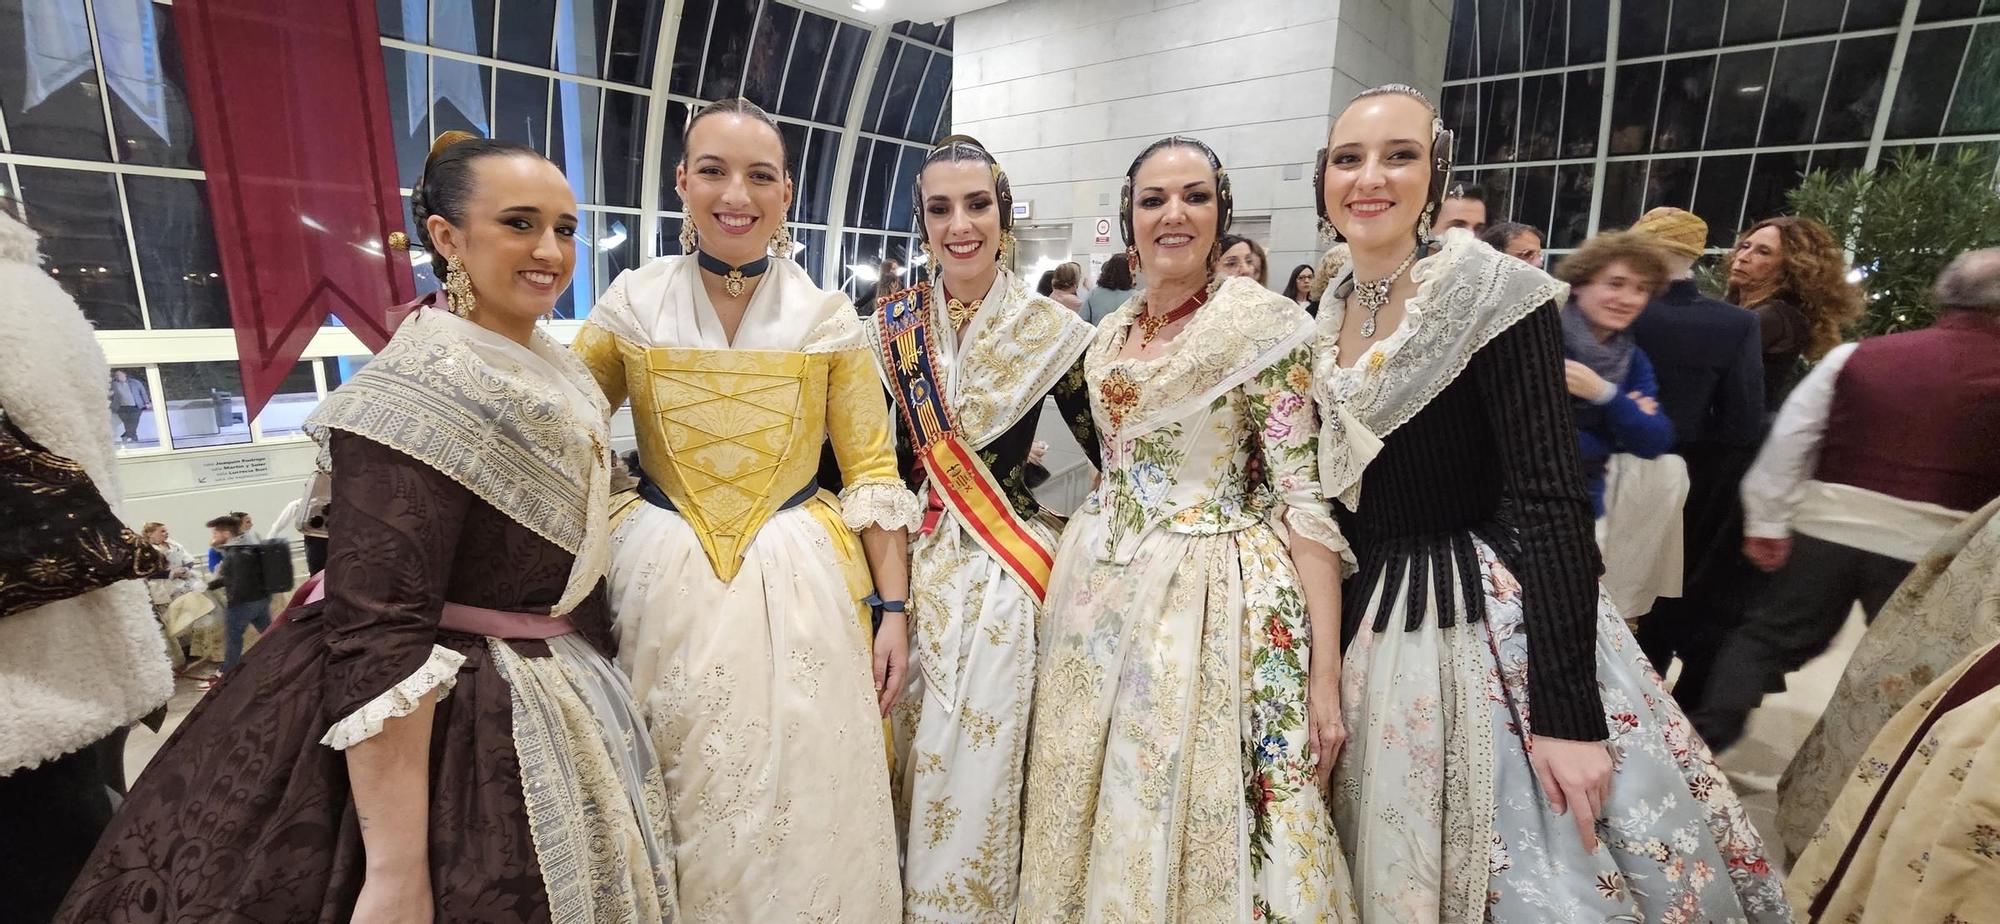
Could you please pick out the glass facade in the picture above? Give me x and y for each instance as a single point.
(1579, 115)
(98, 154)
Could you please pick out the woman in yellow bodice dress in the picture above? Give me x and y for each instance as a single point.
(742, 591)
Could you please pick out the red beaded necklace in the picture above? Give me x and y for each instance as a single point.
(1149, 325)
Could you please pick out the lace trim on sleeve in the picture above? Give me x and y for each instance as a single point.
(885, 504)
(1319, 527)
(439, 672)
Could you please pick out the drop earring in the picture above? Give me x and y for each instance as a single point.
(1424, 236)
(781, 243)
(1007, 245)
(1132, 257)
(457, 287)
(1328, 234)
(689, 240)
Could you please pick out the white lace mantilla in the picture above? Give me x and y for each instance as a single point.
(439, 672)
(1467, 294)
(523, 427)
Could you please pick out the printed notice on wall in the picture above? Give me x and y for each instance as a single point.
(229, 469)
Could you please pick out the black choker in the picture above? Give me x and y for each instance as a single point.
(733, 277)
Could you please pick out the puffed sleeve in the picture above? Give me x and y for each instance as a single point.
(1072, 394)
(857, 421)
(390, 544)
(1545, 504)
(598, 348)
(1287, 433)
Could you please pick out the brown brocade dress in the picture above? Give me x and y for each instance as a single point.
(245, 816)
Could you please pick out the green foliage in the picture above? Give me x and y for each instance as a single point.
(1903, 224)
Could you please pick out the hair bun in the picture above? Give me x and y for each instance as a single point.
(445, 140)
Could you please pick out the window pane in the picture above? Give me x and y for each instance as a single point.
(1541, 113)
(459, 92)
(285, 414)
(403, 19)
(688, 43)
(881, 175)
(1583, 109)
(622, 151)
(769, 54)
(1855, 90)
(1498, 186)
(813, 183)
(338, 369)
(1934, 10)
(527, 31)
(903, 85)
(728, 48)
(1752, 22)
(1546, 33)
(1460, 112)
(813, 38)
(1571, 222)
(1642, 29)
(178, 257)
(1499, 37)
(83, 241)
(1534, 195)
(1771, 176)
(49, 92)
(1797, 84)
(617, 247)
(133, 423)
(1669, 182)
(1839, 161)
(902, 213)
(670, 156)
(1632, 106)
(669, 239)
(1624, 190)
(204, 404)
(1873, 14)
(1684, 95)
(1932, 62)
(1741, 85)
(1464, 47)
(843, 67)
(1697, 25)
(1976, 105)
(1806, 19)
(631, 31)
(931, 93)
(1718, 198)
(861, 260)
(1587, 23)
(409, 114)
(521, 108)
(1500, 100)
(809, 251)
(142, 63)
(463, 25)
(573, 137)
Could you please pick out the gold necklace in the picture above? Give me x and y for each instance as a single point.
(961, 312)
(1150, 324)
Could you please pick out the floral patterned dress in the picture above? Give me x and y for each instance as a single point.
(1168, 769)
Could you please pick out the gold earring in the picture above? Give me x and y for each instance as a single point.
(1132, 256)
(1007, 244)
(457, 287)
(781, 243)
(1328, 234)
(688, 237)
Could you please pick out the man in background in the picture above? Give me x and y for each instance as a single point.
(1709, 363)
(241, 577)
(129, 400)
(1464, 206)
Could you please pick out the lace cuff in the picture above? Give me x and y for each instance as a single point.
(886, 504)
(1321, 528)
(439, 672)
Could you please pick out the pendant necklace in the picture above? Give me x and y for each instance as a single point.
(733, 277)
(1373, 295)
(1150, 324)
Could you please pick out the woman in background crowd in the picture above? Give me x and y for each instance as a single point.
(738, 584)
(1522, 242)
(1114, 287)
(1486, 683)
(1190, 648)
(1298, 286)
(183, 574)
(1062, 286)
(970, 358)
(471, 458)
(1617, 401)
(1244, 257)
(1794, 275)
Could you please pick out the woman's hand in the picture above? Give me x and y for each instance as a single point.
(395, 897)
(1584, 383)
(1576, 777)
(1326, 732)
(892, 658)
(1037, 451)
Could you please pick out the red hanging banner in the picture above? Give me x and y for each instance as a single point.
(291, 111)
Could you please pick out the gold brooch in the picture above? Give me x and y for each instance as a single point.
(733, 283)
(1120, 395)
(961, 312)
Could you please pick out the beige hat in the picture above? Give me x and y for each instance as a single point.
(1678, 230)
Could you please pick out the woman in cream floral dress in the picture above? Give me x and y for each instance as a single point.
(1186, 704)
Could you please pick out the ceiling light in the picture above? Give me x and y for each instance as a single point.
(864, 272)
(869, 6)
(1755, 88)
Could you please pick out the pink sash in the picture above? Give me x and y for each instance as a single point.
(476, 620)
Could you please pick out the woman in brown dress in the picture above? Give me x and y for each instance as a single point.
(1794, 275)
(442, 736)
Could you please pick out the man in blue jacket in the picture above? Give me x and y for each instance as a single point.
(1709, 364)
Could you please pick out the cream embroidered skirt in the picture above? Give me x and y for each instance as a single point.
(760, 697)
(1444, 819)
(1167, 765)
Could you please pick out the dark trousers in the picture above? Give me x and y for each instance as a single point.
(50, 817)
(129, 416)
(1801, 610)
(315, 555)
(236, 618)
(1718, 582)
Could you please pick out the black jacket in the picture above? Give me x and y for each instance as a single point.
(1709, 358)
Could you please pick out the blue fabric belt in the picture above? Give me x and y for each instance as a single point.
(653, 495)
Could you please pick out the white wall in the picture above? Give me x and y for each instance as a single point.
(1065, 92)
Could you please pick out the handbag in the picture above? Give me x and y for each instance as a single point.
(58, 536)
